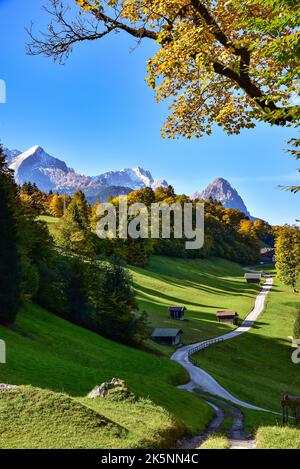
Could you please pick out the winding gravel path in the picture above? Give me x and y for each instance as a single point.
(200, 378)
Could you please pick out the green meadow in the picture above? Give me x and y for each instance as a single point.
(203, 286)
(56, 364)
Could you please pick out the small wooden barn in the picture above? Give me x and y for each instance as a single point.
(253, 277)
(267, 255)
(167, 336)
(177, 312)
(227, 316)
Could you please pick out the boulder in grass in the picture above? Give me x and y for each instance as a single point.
(116, 389)
(6, 387)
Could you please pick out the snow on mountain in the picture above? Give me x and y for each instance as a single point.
(159, 183)
(135, 178)
(35, 165)
(50, 173)
(222, 191)
(144, 176)
(11, 154)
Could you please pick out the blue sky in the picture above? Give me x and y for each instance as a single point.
(97, 113)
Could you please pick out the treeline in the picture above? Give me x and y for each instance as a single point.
(96, 295)
(228, 232)
(37, 202)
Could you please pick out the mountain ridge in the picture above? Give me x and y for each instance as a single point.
(51, 173)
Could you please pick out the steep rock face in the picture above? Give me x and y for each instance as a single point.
(222, 191)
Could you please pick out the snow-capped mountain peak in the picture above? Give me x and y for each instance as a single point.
(37, 166)
(144, 175)
(17, 161)
(135, 178)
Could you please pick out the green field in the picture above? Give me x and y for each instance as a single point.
(216, 442)
(257, 366)
(203, 286)
(59, 363)
(47, 352)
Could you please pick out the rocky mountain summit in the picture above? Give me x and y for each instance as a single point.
(222, 191)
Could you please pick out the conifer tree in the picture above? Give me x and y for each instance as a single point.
(10, 262)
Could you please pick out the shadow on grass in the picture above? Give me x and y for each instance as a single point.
(145, 291)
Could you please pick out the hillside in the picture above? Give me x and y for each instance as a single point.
(47, 352)
(59, 363)
(36, 418)
(204, 286)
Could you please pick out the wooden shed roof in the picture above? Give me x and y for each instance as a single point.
(253, 275)
(177, 308)
(166, 332)
(222, 314)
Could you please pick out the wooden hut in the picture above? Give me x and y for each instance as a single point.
(267, 255)
(253, 277)
(227, 316)
(177, 312)
(166, 336)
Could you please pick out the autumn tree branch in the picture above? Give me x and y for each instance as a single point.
(139, 33)
(62, 34)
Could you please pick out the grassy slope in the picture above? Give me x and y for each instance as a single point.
(257, 366)
(203, 286)
(46, 351)
(38, 418)
(52, 223)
